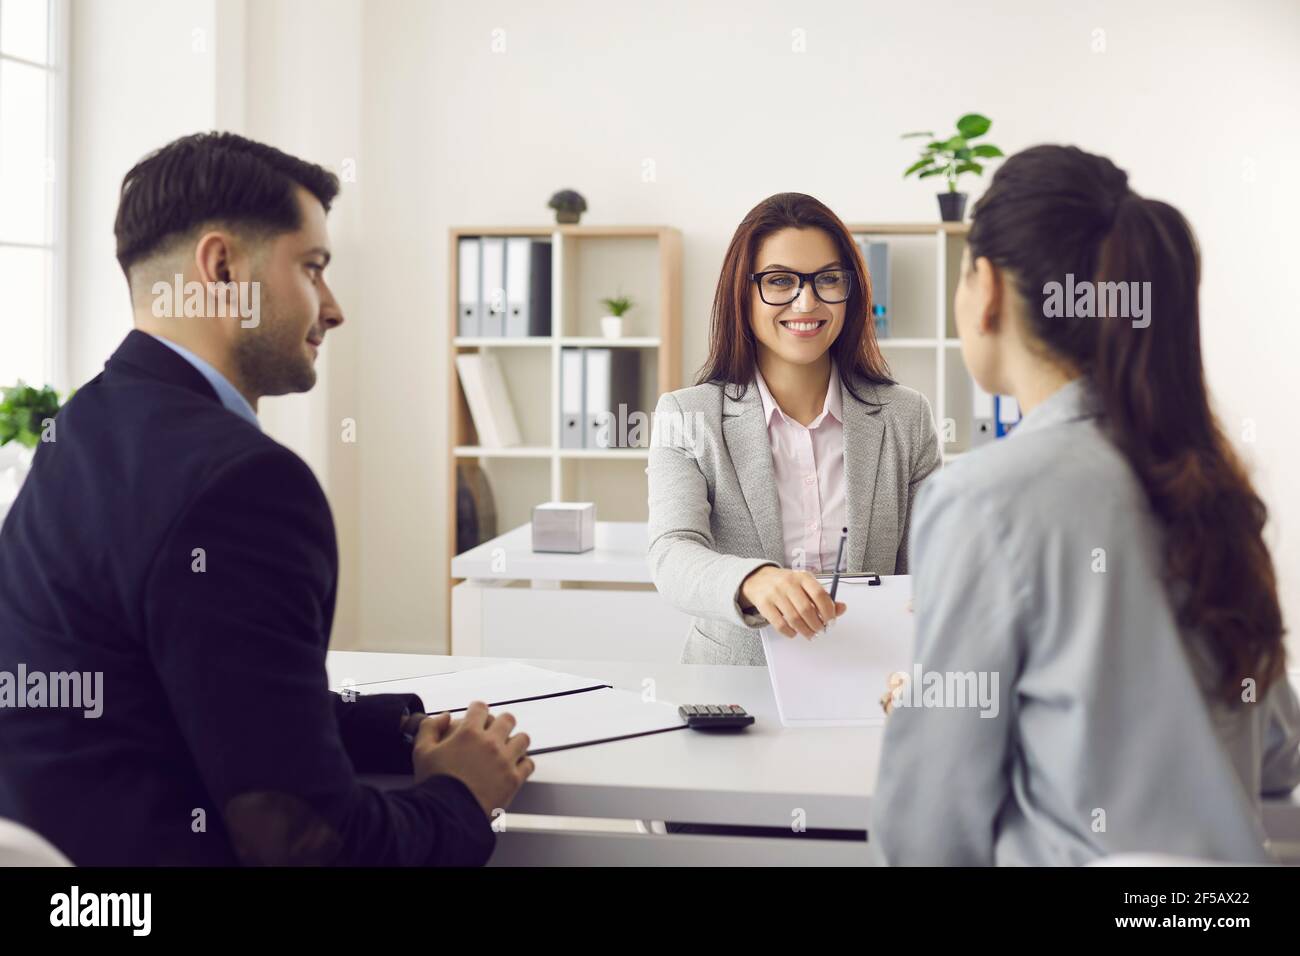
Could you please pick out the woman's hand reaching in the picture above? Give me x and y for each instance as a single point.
(794, 602)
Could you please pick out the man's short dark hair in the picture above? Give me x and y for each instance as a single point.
(212, 177)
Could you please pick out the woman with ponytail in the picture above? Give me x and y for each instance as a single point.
(1101, 574)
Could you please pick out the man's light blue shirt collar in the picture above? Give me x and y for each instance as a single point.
(228, 394)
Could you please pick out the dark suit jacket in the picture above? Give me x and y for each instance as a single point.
(169, 545)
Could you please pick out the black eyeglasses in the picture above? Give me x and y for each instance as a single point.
(781, 286)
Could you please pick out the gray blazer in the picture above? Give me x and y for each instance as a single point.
(715, 515)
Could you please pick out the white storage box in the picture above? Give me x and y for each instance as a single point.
(564, 526)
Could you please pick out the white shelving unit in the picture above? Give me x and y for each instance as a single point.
(587, 264)
(923, 350)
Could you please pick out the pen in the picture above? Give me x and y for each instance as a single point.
(839, 559)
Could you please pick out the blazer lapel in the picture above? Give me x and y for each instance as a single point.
(863, 434)
(745, 434)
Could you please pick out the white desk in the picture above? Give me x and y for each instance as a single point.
(598, 605)
(761, 777)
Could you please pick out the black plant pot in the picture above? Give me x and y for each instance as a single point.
(952, 207)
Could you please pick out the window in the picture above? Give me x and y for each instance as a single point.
(33, 97)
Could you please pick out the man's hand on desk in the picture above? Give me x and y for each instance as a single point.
(478, 750)
(792, 601)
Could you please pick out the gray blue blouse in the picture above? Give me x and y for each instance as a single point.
(1037, 570)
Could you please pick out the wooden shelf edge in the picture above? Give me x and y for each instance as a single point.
(578, 231)
(909, 228)
(603, 454)
(521, 451)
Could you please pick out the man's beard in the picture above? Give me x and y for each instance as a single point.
(272, 357)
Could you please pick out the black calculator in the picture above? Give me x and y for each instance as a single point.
(715, 716)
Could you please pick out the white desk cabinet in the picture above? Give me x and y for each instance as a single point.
(598, 605)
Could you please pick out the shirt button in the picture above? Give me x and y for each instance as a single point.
(809, 479)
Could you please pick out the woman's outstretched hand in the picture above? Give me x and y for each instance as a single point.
(794, 602)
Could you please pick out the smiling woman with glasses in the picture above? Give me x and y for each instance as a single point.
(794, 436)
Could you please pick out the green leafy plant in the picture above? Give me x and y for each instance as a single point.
(23, 409)
(617, 305)
(953, 156)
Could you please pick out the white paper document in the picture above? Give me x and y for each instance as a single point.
(838, 677)
(556, 710)
(495, 684)
(596, 716)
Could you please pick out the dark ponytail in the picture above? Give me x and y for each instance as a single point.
(1055, 211)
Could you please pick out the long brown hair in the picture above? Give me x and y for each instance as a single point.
(1055, 210)
(732, 349)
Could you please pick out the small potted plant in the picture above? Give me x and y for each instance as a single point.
(951, 158)
(612, 324)
(568, 205)
(23, 413)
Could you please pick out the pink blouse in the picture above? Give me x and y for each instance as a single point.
(809, 465)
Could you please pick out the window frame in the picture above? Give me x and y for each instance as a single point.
(56, 371)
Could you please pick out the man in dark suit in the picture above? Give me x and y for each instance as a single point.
(185, 564)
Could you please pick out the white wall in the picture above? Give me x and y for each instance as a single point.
(1195, 100)
(303, 95)
(147, 71)
(142, 72)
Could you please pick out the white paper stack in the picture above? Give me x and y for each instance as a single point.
(557, 711)
(838, 677)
